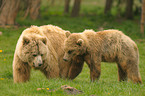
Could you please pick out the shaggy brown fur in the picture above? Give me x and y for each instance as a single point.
(41, 48)
(57, 37)
(107, 46)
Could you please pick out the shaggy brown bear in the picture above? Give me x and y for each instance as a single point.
(107, 46)
(42, 48)
(57, 37)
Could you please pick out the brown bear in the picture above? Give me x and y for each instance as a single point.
(43, 48)
(57, 37)
(106, 46)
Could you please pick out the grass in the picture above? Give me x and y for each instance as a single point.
(89, 19)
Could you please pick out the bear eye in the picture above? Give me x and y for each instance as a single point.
(34, 55)
(70, 51)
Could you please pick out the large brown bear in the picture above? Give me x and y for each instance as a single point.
(57, 37)
(107, 46)
(43, 48)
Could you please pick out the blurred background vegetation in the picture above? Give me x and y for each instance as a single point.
(93, 14)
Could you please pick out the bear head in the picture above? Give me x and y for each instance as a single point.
(33, 50)
(74, 45)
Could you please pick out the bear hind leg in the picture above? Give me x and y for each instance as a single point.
(133, 71)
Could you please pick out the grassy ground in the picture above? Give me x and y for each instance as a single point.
(91, 18)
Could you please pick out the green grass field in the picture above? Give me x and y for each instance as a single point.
(90, 18)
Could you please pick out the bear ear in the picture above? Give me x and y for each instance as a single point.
(67, 33)
(79, 42)
(44, 40)
(26, 40)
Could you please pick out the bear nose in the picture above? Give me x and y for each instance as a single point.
(39, 64)
(65, 59)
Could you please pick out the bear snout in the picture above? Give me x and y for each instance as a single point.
(38, 61)
(39, 64)
(65, 59)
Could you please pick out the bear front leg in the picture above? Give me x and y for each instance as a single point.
(21, 70)
(122, 74)
(64, 68)
(76, 67)
(50, 68)
(95, 67)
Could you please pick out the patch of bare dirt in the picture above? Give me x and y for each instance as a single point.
(70, 90)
